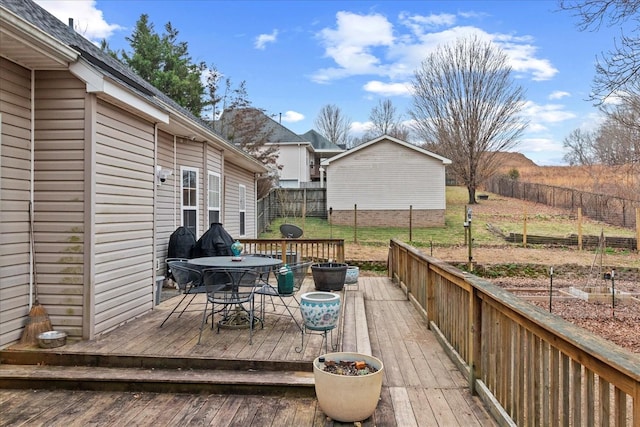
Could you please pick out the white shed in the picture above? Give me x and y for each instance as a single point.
(383, 182)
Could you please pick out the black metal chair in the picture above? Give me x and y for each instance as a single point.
(299, 271)
(233, 290)
(189, 281)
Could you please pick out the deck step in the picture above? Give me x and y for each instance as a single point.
(294, 383)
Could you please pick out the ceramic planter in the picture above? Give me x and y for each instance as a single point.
(348, 398)
(320, 310)
(329, 276)
(352, 275)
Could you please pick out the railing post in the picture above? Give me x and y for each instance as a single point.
(475, 332)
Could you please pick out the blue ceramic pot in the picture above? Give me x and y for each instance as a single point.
(320, 310)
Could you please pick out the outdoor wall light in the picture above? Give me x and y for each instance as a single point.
(162, 174)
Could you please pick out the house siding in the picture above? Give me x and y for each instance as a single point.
(15, 166)
(167, 215)
(124, 217)
(385, 180)
(294, 160)
(59, 198)
(233, 178)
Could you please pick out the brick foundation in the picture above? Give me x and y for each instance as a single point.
(390, 218)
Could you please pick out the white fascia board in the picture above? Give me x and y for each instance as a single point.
(98, 83)
(18, 28)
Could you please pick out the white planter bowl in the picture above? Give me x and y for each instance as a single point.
(320, 310)
(348, 398)
(352, 275)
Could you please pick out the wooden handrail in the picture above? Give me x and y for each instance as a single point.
(317, 250)
(537, 367)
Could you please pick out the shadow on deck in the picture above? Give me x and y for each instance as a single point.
(148, 375)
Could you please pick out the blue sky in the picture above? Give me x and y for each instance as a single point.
(298, 56)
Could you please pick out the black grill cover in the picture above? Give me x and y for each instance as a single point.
(215, 242)
(181, 243)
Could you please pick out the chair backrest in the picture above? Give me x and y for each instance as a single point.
(185, 274)
(230, 285)
(299, 271)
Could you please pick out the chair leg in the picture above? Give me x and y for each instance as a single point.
(204, 319)
(175, 308)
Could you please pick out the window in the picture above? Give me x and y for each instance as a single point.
(190, 199)
(243, 209)
(213, 199)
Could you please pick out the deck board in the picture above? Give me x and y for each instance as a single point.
(421, 385)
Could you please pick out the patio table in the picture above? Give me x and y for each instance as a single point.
(228, 262)
(254, 262)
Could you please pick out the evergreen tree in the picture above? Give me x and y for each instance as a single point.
(165, 62)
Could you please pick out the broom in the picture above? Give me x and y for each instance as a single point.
(38, 320)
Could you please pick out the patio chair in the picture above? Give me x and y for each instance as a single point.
(189, 281)
(299, 271)
(232, 290)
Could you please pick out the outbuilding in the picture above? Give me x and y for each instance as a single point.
(386, 182)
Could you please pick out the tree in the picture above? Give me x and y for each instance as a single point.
(580, 146)
(165, 63)
(467, 108)
(386, 121)
(333, 125)
(248, 128)
(617, 71)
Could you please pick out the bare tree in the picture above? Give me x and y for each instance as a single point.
(386, 121)
(333, 124)
(580, 146)
(618, 69)
(467, 108)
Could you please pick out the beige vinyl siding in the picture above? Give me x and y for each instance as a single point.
(386, 176)
(15, 166)
(59, 197)
(167, 215)
(124, 217)
(233, 177)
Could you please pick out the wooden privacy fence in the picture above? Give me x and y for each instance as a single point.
(531, 367)
(297, 250)
(291, 202)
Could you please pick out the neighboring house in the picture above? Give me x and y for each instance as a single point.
(323, 149)
(111, 167)
(383, 180)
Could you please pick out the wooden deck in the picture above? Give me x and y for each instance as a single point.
(142, 374)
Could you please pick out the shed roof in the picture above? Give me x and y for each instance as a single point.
(444, 160)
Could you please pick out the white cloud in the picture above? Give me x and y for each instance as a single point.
(263, 39)
(87, 20)
(559, 94)
(371, 45)
(359, 128)
(388, 89)
(292, 117)
(351, 43)
(549, 113)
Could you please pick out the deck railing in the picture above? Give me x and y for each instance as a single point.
(317, 250)
(531, 367)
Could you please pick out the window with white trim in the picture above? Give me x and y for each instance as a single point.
(213, 199)
(242, 194)
(189, 201)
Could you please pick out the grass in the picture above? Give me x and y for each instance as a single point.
(453, 233)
